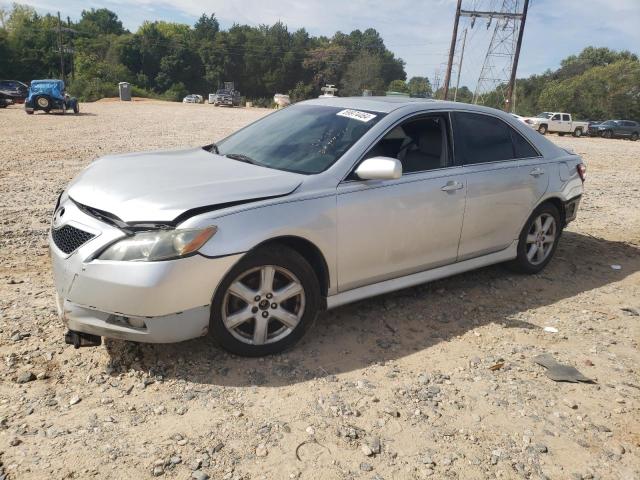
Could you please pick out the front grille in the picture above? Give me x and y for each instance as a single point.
(69, 239)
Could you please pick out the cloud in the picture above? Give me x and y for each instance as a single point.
(417, 31)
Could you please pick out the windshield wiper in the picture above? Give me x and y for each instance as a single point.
(242, 158)
(212, 148)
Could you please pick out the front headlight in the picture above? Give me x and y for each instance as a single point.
(151, 246)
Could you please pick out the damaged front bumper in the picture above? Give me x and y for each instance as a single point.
(155, 302)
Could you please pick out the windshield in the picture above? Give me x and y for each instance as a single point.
(544, 115)
(302, 138)
(610, 122)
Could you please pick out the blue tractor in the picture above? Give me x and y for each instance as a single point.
(50, 96)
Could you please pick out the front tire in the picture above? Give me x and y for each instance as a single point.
(607, 134)
(542, 129)
(538, 239)
(265, 303)
(634, 136)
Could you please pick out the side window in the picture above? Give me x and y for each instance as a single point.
(481, 138)
(522, 147)
(566, 118)
(556, 117)
(419, 143)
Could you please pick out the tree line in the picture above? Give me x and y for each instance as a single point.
(596, 84)
(169, 60)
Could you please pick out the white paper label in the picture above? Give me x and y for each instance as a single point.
(357, 115)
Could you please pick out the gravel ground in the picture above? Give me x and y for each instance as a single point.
(434, 381)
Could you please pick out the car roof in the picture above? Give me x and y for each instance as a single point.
(389, 104)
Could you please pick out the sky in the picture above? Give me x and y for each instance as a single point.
(418, 31)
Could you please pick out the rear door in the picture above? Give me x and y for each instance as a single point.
(392, 228)
(566, 124)
(506, 177)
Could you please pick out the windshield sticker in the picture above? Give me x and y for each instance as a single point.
(357, 115)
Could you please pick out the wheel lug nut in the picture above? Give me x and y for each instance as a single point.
(274, 305)
(257, 298)
(265, 314)
(254, 310)
(269, 295)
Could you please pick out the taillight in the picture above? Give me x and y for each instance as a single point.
(582, 171)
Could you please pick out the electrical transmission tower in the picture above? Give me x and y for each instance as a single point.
(501, 61)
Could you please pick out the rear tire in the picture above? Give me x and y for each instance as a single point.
(538, 240)
(634, 136)
(76, 108)
(577, 133)
(250, 302)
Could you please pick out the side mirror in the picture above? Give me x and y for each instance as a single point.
(379, 168)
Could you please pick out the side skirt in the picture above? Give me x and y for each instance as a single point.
(387, 286)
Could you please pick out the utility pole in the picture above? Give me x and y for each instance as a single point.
(512, 80)
(464, 40)
(60, 46)
(452, 50)
(503, 49)
(72, 50)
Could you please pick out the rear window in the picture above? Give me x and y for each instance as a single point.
(482, 139)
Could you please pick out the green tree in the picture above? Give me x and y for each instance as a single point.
(399, 86)
(100, 21)
(363, 73)
(420, 87)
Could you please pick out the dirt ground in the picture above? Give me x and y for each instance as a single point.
(395, 387)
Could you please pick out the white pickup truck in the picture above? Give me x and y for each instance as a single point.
(557, 122)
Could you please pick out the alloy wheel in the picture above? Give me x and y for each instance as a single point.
(263, 305)
(541, 238)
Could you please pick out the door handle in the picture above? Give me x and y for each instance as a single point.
(452, 186)
(536, 172)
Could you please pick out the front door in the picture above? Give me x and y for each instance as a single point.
(392, 228)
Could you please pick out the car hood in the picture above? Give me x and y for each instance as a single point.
(161, 186)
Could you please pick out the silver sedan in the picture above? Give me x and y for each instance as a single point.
(326, 202)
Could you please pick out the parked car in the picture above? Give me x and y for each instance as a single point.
(558, 122)
(323, 203)
(228, 98)
(50, 95)
(592, 127)
(193, 98)
(616, 129)
(12, 91)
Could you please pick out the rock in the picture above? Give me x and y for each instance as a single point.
(367, 450)
(15, 441)
(375, 445)
(160, 410)
(261, 450)
(181, 410)
(158, 470)
(42, 376)
(541, 448)
(310, 430)
(617, 449)
(74, 400)
(631, 311)
(199, 475)
(175, 460)
(570, 403)
(26, 377)
(366, 467)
